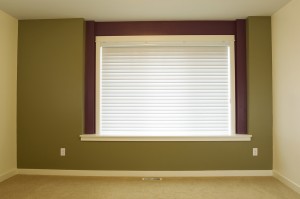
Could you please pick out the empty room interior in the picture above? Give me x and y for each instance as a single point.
(150, 99)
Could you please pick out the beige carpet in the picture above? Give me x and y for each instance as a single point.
(44, 187)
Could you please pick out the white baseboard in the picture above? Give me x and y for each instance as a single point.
(219, 173)
(8, 174)
(286, 181)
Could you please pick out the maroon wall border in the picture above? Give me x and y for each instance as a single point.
(165, 28)
(241, 77)
(90, 79)
(236, 28)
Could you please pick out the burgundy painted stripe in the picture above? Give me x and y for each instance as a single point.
(241, 77)
(165, 28)
(237, 28)
(90, 80)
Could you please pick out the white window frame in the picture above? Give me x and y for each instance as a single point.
(228, 39)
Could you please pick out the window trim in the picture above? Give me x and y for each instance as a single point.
(237, 137)
(228, 40)
(235, 27)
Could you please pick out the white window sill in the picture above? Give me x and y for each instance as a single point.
(93, 137)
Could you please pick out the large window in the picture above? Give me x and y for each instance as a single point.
(119, 34)
(165, 86)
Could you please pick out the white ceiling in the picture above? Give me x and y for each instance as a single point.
(140, 10)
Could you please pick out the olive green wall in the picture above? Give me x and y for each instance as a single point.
(50, 110)
(259, 72)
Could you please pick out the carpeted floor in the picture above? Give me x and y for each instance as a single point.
(56, 187)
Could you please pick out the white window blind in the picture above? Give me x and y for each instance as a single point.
(165, 89)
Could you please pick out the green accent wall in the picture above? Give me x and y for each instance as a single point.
(259, 60)
(50, 109)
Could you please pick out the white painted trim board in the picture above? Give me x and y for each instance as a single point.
(8, 174)
(291, 184)
(218, 173)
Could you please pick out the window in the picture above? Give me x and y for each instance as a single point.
(127, 30)
(165, 86)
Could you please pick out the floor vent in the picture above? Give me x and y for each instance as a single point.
(152, 179)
